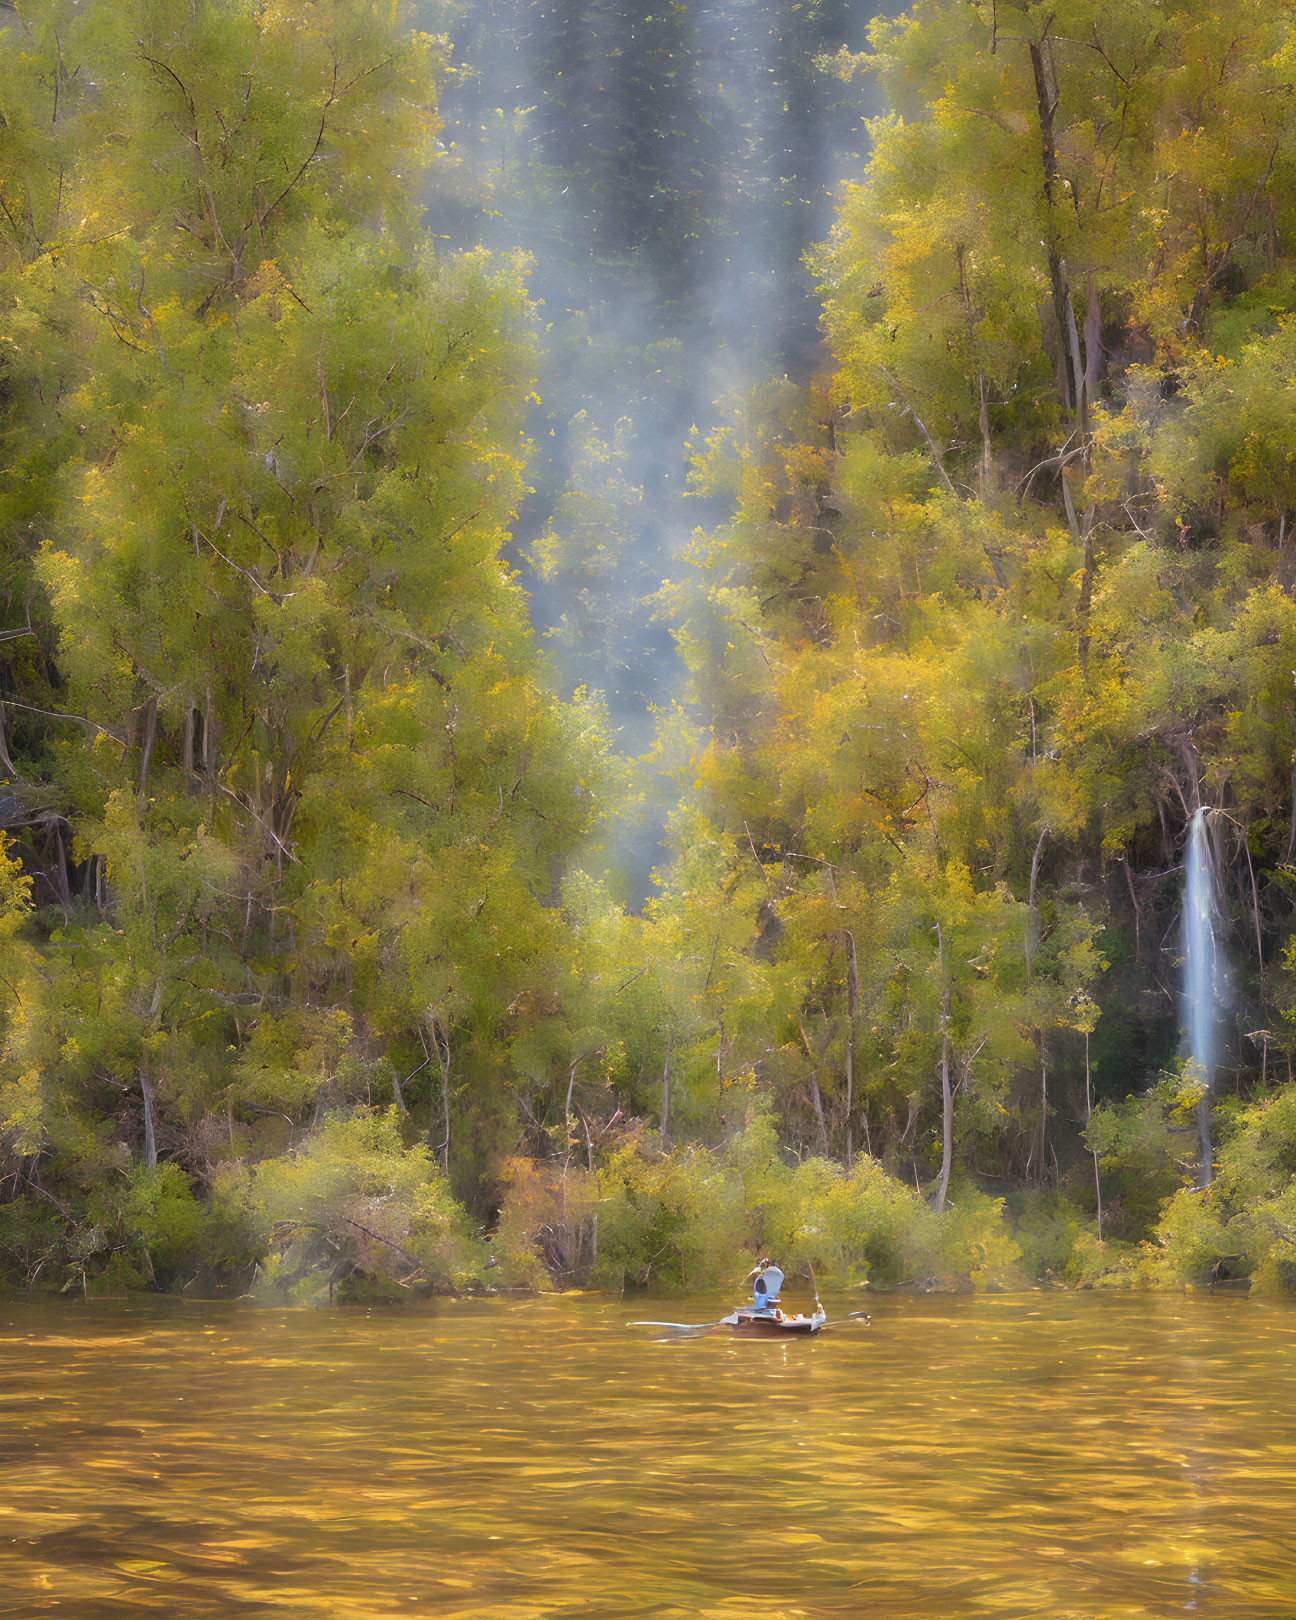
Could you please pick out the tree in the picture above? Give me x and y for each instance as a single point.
(312, 760)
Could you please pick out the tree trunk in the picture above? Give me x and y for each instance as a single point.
(1046, 99)
(852, 1000)
(817, 1100)
(187, 747)
(987, 450)
(150, 1140)
(1032, 915)
(1134, 903)
(6, 762)
(666, 1091)
(441, 1037)
(947, 1094)
(147, 738)
(1094, 1151)
(571, 1086)
(1043, 1136)
(209, 735)
(1092, 341)
(570, 1251)
(1291, 834)
(1085, 600)
(1077, 365)
(1255, 902)
(62, 883)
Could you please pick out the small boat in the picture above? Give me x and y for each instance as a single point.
(766, 1319)
(765, 1315)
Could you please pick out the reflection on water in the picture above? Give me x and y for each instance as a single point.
(1033, 1455)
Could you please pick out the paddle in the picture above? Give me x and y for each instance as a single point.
(852, 1316)
(682, 1327)
(855, 1316)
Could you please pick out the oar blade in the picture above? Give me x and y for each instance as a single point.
(680, 1327)
(858, 1317)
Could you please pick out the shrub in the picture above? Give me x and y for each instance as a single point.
(354, 1206)
(1244, 1223)
(696, 1218)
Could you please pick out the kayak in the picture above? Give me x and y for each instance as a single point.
(764, 1320)
(759, 1322)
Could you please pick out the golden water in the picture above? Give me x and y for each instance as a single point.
(1034, 1455)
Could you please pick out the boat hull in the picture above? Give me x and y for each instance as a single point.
(764, 1324)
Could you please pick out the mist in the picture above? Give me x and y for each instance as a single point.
(665, 171)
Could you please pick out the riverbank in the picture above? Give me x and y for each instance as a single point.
(360, 1214)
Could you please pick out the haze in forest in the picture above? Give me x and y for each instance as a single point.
(667, 173)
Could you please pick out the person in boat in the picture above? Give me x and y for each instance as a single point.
(766, 1281)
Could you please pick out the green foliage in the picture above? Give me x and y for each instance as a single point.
(679, 1221)
(133, 1228)
(1047, 1227)
(304, 949)
(1055, 1230)
(995, 607)
(355, 1204)
(318, 791)
(1244, 1223)
(32, 1243)
(695, 1218)
(1146, 1147)
(157, 1224)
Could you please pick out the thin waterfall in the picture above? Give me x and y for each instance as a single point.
(1205, 979)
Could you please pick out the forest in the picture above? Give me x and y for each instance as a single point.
(388, 585)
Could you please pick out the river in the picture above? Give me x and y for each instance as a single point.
(1052, 1454)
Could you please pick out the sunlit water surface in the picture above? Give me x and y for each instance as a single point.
(1049, 1454)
